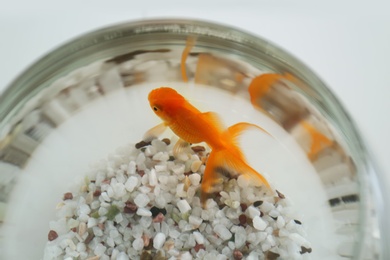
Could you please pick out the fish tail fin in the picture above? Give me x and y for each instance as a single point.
(235, 159)
(227, 164)
(234, 131)
(211, 181)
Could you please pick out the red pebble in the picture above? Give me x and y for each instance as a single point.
(242, 218)
(243, 206)
(141, 172)
(237, 254)
(159, 218)
(130, 207)
(97, 193)
(198, 247)
(68, 196)
(52, 235)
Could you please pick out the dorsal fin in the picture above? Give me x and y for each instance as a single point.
(215, 119)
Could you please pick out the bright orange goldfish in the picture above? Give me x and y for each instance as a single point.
(193, 126)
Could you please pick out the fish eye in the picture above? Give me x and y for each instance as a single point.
(155, 108)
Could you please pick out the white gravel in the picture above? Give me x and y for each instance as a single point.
(144, 204)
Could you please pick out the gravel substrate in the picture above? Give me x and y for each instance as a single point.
(143, 203)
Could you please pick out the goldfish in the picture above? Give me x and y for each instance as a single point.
(193, 126)
(319, 141)
(262, 84)
(189, 45)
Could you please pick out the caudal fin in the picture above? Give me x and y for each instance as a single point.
(234, 131)
(223, 164)
(229, 162)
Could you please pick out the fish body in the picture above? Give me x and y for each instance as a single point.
(194, 126)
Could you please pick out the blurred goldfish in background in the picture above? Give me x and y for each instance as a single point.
(189, 45)
(262, 84)
(318, 141)
(193, 126)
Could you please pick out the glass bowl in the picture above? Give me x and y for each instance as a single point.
(82, 101)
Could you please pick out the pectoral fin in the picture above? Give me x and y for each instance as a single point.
(154, 132)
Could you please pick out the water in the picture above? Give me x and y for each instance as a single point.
(122, 117)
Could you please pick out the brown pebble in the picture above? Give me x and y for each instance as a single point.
(146, 255)
(159, 218)
(271, 255)
(74, 229)
(160, 255)
(96, 257)
(275, 232)
(130, 207)
(242, 218)
(89, 238)
(198, 247)
(142, 144)
(245, 249)
(280, 195)
(188, 173)
(166, 141)
(97, 193)
(198, 148)
(237, 254)
(52, 235)
(305, 250)
(249, 221)
(68, 196)
(257, 203)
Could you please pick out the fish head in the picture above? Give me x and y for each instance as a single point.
(165, 102)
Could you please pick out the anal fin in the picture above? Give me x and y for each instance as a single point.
(180, 146)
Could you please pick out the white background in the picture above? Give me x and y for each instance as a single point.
(346, 43)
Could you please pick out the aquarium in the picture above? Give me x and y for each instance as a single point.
(76, 181)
